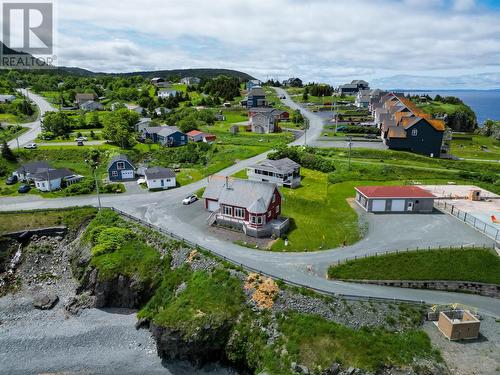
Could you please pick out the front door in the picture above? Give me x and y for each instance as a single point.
(410, 206)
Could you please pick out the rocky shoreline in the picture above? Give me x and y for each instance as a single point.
(83, 307)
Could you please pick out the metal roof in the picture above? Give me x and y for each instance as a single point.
(120, 157)
(284, 165)
(394, 192)
(34, 167)
(255, 196)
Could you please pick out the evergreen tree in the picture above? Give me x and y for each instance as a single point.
(7, 153)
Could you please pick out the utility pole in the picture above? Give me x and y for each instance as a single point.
(350, 146)
(97, 188)
(48, 178)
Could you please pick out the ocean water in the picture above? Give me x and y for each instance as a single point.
(486, 103)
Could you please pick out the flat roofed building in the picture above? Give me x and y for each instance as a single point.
(395, 199)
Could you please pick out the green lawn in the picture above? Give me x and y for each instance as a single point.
(475, 147)
(465, 265)
(314, 341)
(15, 131)
(319, 213)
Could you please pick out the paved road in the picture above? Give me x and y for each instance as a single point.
(85, 143)
(164, 209)
(35, 126)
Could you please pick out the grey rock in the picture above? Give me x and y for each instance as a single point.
(142, 323)
(45, 301)
(334, 369)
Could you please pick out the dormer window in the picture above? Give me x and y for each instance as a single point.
(120, 165)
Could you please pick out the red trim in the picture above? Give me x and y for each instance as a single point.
(394, 192)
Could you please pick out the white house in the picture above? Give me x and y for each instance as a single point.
(7, 98)
(160, 178)
(54, 179)
(283, 172)
(166, 93)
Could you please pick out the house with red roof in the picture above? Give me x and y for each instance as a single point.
(198, 136)
(395, 199)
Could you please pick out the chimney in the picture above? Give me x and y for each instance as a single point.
(227, 182)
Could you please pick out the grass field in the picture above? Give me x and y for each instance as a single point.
(465, 265)
(475, 147)
(320, 215)
(11, 222)
(314, 340)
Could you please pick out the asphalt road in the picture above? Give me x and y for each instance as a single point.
(35, 127)
(165, 210)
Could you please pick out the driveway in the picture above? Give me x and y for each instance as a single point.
(34, 127)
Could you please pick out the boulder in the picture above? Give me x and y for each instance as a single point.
(334, 369)
(45, 301)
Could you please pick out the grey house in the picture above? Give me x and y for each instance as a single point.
(120, 168)
(91, 106)
(263, 122)
(283, 172)
(395, 199)
(28, 171)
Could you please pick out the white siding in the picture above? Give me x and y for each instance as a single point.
(157, 183)
(378, 205)
(398, 205)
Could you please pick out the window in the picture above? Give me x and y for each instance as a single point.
(256, 220)
(120, 165)
(414, 132)
(114, 173)
(226, 210)
(278, 209)
(239, 213)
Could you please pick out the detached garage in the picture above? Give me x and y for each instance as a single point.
(397, 199)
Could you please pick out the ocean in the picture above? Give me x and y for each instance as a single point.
(486, 103)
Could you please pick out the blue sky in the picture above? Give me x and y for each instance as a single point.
(393, 43)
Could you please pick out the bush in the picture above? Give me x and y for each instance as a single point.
(110, 239)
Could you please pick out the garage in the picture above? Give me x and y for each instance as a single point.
(127, 175)
(378, 205)
(395, 199)
(212, 205)
(398, 205)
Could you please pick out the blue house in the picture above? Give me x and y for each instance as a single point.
(256, 98)
(120, 168)
(252, 83)
(416, 134)
(169, 136)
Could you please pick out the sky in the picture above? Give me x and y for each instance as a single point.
(391, 43)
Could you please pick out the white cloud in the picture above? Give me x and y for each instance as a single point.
(316, 39)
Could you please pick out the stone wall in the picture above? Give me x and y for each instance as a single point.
(488, 290)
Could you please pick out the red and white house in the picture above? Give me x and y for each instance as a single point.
(251, 206)
(198, 136)
(395, 199)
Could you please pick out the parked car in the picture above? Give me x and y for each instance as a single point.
(24, 189)
(79, 143)
(190, 199)
(11, 180)
(81, 139)
(30, 146)
(371, 136)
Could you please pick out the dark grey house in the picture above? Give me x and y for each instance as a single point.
(120, 168)
(395, 199)
(27, 171)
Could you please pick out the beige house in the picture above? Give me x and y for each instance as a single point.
(458, 325)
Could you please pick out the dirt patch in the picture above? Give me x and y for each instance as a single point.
(474, 357)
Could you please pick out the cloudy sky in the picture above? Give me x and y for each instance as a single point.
(393, 43)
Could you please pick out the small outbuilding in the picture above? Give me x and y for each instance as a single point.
(160, 178)
(458, 325)
(398, 199)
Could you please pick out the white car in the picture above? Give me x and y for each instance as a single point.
(30, 146)
(190, 199)
(81, 139)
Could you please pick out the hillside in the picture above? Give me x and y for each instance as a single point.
(459, 116)
(200, 73)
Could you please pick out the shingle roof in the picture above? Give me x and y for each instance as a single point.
(165, 131)
(159, 172)
(255, 196)
(284, 165)
(34, 167)
(120, 157)
(394, 192)
(396, 132)
(53, 174)
(256, 91)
